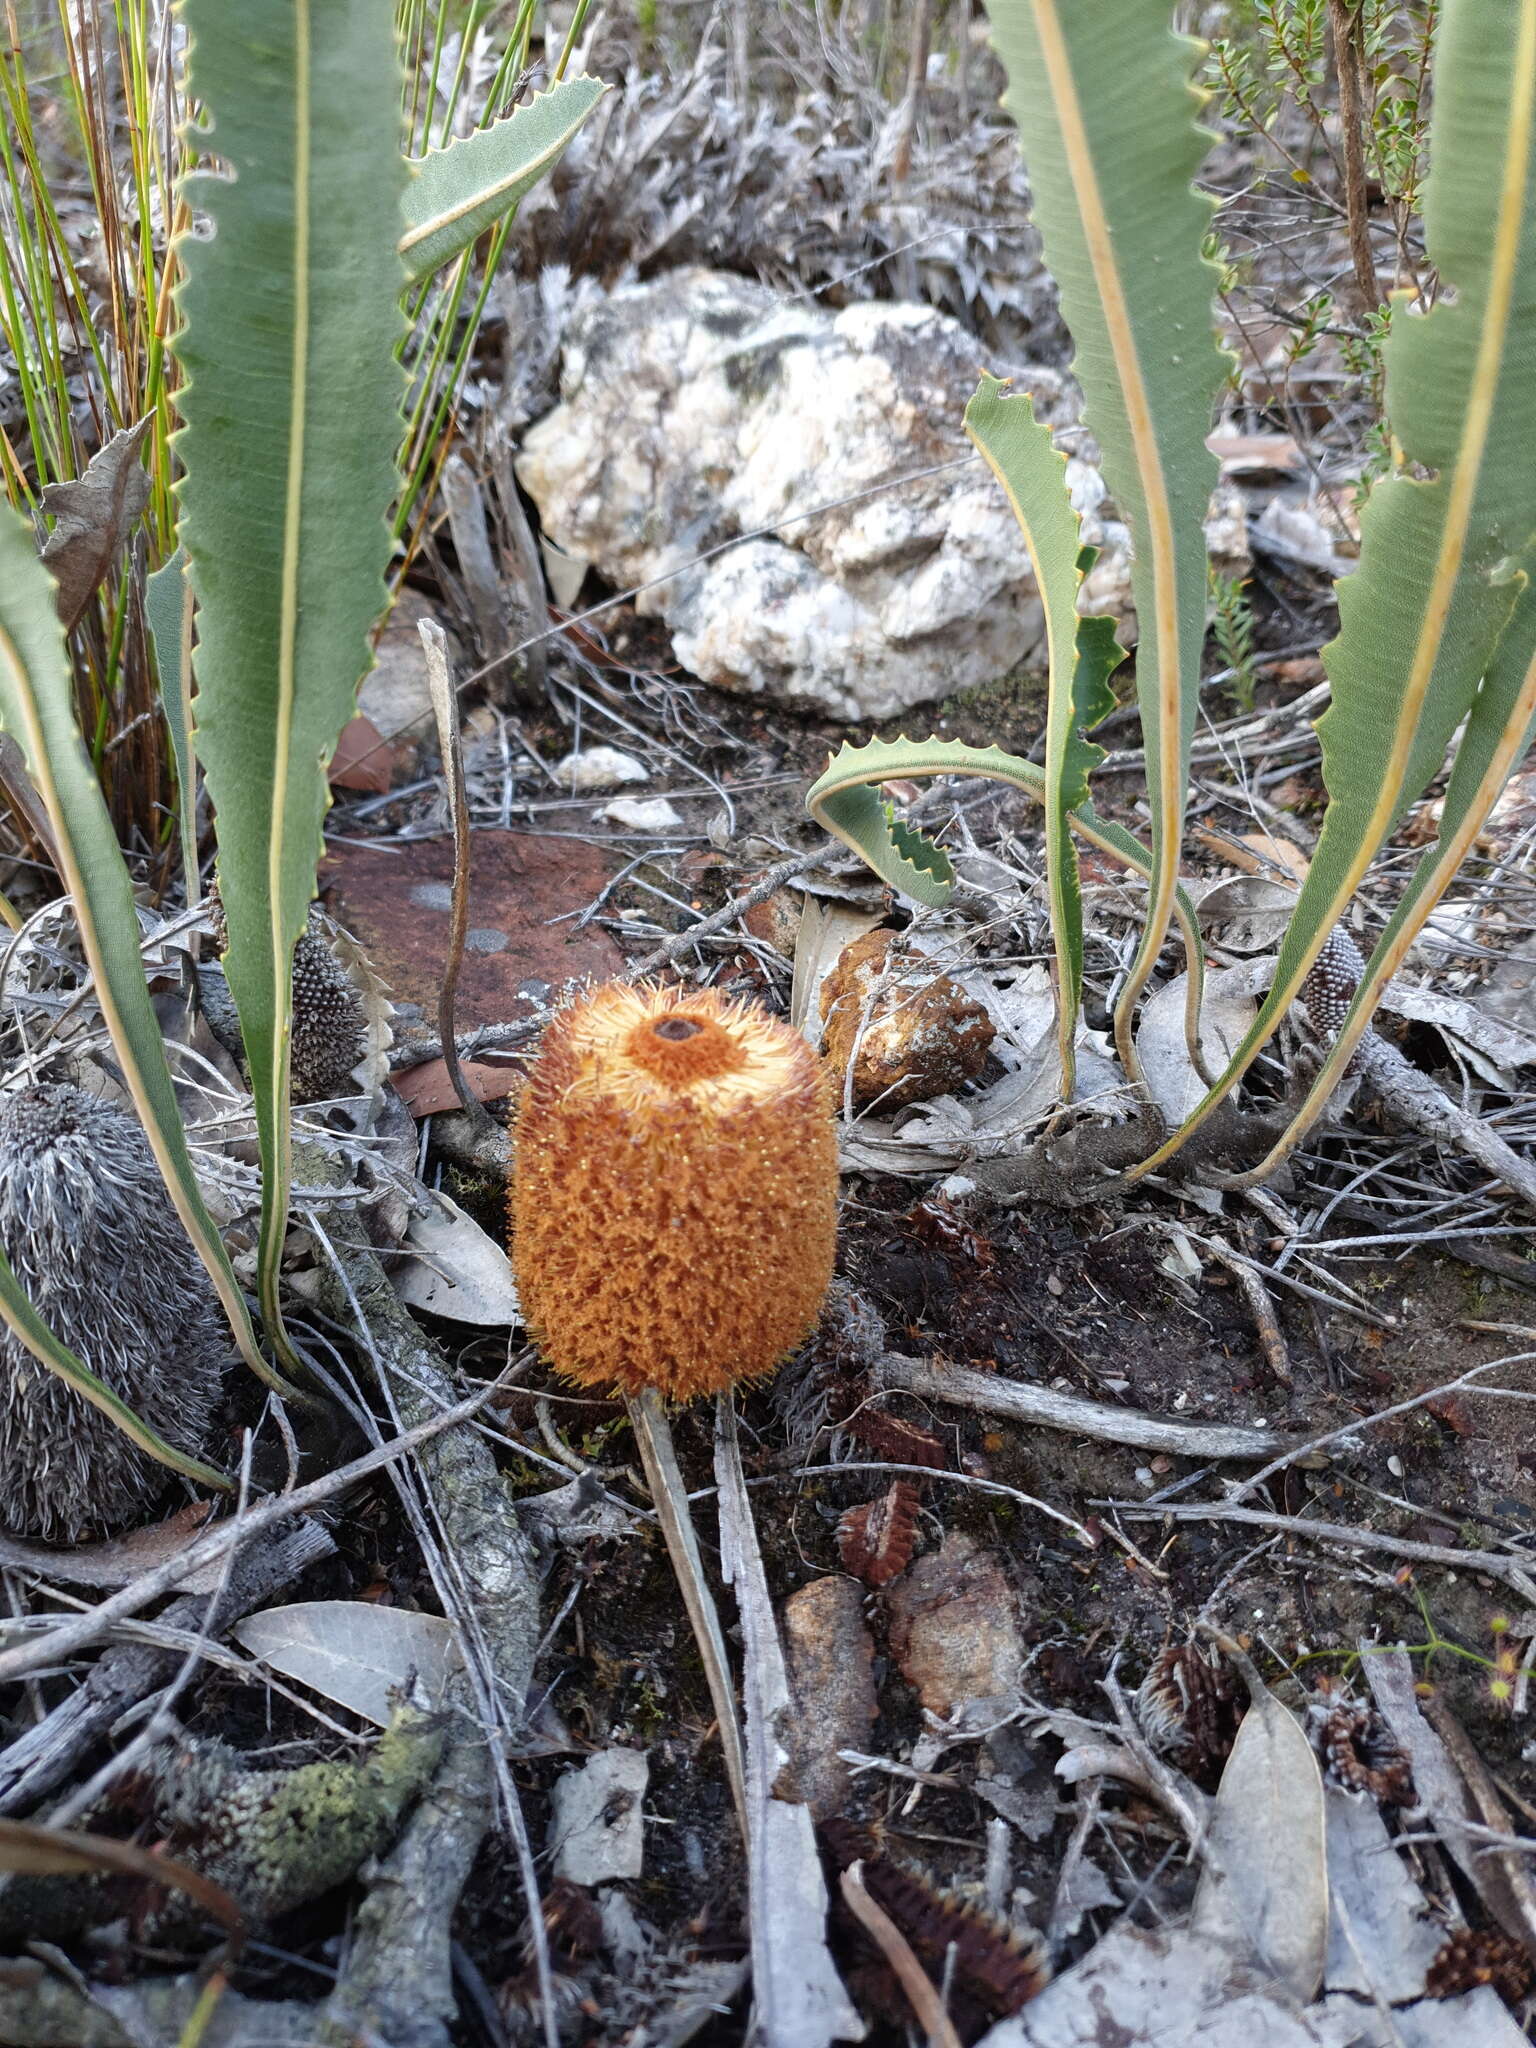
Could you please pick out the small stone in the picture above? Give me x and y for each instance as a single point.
(910, 1033)
(642, 814)
(596, 768)
(595, 1827)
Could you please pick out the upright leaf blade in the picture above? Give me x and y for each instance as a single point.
(1080, 656)
(1444, 557)
(1104, 107)
(36, 710)
(456, 193)
(291, 315)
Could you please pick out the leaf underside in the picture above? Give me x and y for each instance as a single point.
(1105, 111)
(455, 194)
(37, 711)
(291, 316)
(1435, 625)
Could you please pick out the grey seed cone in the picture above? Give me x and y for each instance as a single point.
(91, 1235)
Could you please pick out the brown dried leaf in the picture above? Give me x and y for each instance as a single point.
(94, 514)
(875, 1541)
(363, 759)
(427, 1091)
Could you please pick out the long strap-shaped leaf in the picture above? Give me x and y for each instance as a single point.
(291, 314)
(1101, 93)
(1081, 655)
(456, 193)
(1501, 726)
(36, 710)
(844, 800)
(1443, 558)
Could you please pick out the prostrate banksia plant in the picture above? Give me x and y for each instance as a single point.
(674, 1192)
(91, 1235)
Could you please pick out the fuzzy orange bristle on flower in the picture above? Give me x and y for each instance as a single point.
(674, 1191)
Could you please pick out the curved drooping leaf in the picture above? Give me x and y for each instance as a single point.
(844, 800)
(1104, 107)
(455, 194)
(291, 316)
(1081, 654)
(168, 615)
(1500, 728)
(1444, 556)
(36, 710)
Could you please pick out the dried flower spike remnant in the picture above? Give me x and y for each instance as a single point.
(91, 1235)
(674, 1191)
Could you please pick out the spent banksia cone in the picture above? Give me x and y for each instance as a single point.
(674, 1191)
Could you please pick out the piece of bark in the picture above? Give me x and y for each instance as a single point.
(831, 1657)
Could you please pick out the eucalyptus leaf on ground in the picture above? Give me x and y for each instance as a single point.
(455, 1269)
(361, 1655)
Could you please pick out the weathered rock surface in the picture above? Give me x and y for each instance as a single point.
(701, 407)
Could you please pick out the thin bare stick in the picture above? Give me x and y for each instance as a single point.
(435, 644)
(1490, 1561)
(1344, 18)
(1019, 1402)
(658, 1454)
(797, 1995)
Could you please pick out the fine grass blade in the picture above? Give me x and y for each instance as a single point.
(168, 614)
(456, 193)
(1081, 656)
(1444, 553)
(844, 801)
(35, 710)
(290, 320)
(1104, 107)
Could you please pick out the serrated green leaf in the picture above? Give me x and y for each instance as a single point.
(168, 615)
(36, 710)
(1443, 556)
(290, 320)
(456, 193)
(843, 801)
(1104, 106)
(1080, 656)
(1500, 727)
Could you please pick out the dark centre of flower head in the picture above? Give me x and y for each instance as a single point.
(676, 1028)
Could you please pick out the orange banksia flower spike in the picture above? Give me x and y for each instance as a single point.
(674, 1191)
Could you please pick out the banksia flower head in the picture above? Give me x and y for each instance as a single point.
(90, 1233)
(674, 1191)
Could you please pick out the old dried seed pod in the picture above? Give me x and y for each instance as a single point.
(91, 1235)
(674, 1191)
(330, 1030)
